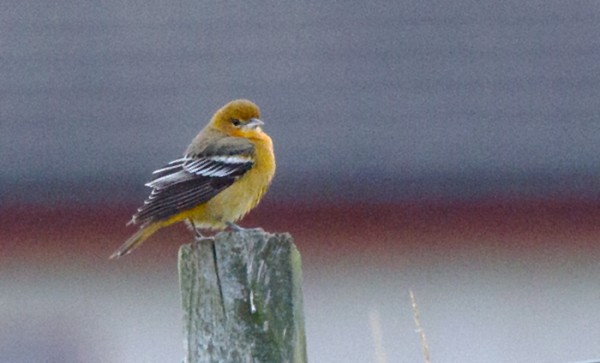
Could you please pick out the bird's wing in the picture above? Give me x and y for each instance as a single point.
(195, 178)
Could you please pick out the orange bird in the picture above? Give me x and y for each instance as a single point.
(224, 173)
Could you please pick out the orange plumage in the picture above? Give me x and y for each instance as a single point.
(223, 175)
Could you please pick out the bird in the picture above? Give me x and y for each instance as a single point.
(223, 174)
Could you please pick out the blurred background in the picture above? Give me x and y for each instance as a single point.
(450, 148)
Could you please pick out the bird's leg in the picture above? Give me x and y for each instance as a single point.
(235, 227)
(197, 233)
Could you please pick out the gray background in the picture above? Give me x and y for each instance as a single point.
(480, 119)
(386, 100)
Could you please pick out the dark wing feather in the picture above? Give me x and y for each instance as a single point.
(194, 179)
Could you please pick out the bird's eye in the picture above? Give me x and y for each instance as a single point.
(235, 122)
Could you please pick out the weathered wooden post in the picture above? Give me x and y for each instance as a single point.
(241, 296)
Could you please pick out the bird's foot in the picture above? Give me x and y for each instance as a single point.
(198, 236)
(234, 227)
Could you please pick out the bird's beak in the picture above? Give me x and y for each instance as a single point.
(253, 123)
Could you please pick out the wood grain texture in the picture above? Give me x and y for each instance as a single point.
(242, 298)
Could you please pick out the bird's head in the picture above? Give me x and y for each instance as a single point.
(239, 118)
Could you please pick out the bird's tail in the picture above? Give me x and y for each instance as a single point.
(137, 239)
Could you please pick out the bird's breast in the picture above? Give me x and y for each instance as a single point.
(244, 194)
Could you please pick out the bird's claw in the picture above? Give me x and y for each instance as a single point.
(236, 228)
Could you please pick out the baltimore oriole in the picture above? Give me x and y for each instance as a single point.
(224, 173)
